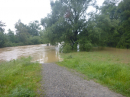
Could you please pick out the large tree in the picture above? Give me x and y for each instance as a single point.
(67, 20)
(22, 32)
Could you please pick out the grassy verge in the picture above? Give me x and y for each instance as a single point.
(105, 68)
(19, 78)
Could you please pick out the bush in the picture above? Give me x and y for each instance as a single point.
(65, 48)
(35, 40)
(86, 46)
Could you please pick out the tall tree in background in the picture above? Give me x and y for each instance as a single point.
(33, 28)
(1, 26)
(2, 36)
(11, 36)
(67, 20)
(124, 28)
(22, 32)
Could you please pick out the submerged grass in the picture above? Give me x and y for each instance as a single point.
(105, 68)
(19, 78)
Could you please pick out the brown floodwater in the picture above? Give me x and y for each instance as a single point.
(40, 53)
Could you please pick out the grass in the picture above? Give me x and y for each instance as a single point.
(19, 78)
(106, 68)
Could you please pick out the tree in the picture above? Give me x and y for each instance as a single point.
(102, 26)
(2, 36)
(2, 39)
(67, 20)
(1, 26)
(11, 36)
(124, 28)
(22, 32)
(33, 28)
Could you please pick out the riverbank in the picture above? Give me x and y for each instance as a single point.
(19, 78)
(111, 69)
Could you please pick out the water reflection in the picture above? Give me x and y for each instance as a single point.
(40, 53)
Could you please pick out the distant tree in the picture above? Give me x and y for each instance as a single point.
(34, 28)
(2, 39)
(124, 28)
(22, 32)
(102, 27)
(35, 40)
(2, 36)
(1, 26)
(11, 36)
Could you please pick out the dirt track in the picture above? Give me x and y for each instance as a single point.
(59, 82)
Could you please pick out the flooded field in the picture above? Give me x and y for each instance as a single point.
(40, 53)
(47, 54)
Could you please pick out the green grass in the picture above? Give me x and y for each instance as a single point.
(105, 68)
(19, 78)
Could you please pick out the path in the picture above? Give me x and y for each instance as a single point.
(59, 82)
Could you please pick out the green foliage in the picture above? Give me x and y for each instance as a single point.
(67, 19)
(33, 28)
(35, 40)
(10, 36)
(25, 35)
(102, 67)
(19, 78)
(66, 48)
(1, 26)
(10, 44)
(85, 46)
(124, 28)
(2, 39)
(69, 22)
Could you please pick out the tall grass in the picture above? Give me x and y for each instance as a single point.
(102, 68)
(19, 78)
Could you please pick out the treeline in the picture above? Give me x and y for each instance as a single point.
(25, 34)
(108, 25)
(69, 22)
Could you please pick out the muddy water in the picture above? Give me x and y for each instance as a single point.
(40, 53)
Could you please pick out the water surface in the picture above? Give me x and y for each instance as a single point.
(40, 53)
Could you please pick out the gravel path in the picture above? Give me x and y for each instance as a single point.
(59, 82)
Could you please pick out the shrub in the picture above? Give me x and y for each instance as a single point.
(85, 46)
(65, 48)
(35, 40)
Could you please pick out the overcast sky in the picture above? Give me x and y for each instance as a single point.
(25, 10)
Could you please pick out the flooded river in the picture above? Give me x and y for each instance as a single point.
(40, 53)
(47, 54)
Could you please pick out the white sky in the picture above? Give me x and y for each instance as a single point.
(25, 10)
